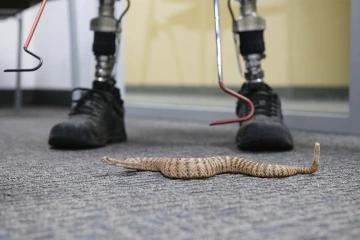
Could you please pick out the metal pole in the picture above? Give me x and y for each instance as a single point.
(18, 92)
(354, 86)
(75, 80)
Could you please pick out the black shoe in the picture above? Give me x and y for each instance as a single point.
(96, 119)
(266, 131)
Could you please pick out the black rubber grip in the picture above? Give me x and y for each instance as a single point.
(252, 42)
(104, 43)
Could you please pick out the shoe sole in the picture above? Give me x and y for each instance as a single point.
(75, 141)
(263, 137)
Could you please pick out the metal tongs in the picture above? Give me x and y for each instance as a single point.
(27, 43)
(220, 73)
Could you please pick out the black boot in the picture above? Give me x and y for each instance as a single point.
(96, 119)
(266, 131)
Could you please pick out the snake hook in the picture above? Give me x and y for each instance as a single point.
(27, 43)
(220, 74)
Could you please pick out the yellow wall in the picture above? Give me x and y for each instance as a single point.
(172, 42)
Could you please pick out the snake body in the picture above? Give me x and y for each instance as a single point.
(187, 168)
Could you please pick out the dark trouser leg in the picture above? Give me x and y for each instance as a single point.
(97, 118)
(266, 130)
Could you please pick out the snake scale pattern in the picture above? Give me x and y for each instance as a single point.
(188, 168)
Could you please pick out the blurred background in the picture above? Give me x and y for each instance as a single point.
(168, 53)
(171, 44)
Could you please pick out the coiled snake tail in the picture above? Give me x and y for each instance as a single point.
(314, 167)
(208, 167)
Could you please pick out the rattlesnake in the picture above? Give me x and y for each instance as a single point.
(207, 167)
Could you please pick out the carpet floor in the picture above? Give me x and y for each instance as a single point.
(57, 194)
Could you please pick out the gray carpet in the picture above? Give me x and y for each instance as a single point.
(51, 194)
